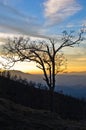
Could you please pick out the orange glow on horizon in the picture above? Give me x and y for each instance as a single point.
(32, 69)
(80, 69)
(74, 65)
(68, 70)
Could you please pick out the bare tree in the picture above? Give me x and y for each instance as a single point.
(45, 53)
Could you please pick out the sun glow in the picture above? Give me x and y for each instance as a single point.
(76, 58)
(30, 67)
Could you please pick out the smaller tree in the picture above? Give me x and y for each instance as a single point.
(8, 75)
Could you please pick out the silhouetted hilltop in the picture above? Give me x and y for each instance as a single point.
(17, 73)
(73, 84)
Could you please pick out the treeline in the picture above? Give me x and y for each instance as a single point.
(7, 74)
(27, 93)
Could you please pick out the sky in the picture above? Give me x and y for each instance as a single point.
(42, 19)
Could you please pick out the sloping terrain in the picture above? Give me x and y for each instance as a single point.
(17, 117)
(24, 107)
(21, 92)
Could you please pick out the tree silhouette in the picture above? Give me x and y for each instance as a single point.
(45, 53)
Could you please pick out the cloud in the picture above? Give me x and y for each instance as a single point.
(5, 1)
(10, 2)
(15, 21)
(11, 7)
(55, 11)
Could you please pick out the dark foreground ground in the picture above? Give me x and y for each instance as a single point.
(25, 107)
(17, 117)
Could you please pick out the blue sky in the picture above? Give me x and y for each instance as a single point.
(41, 17)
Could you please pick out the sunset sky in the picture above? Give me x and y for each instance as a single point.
(41, 19)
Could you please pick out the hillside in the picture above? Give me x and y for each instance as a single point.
(22, 106)
(73, 84)
(17, 117)
(21, 92)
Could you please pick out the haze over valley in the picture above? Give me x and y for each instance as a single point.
(73, 84)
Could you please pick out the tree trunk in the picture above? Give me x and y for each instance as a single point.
(51, 92)
(52, 86)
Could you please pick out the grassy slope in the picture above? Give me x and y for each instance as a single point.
(17, 117)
